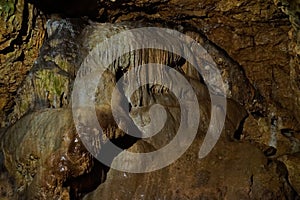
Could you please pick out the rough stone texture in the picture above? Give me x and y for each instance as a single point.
(286, 94)
(254, 35)
(49, 82)
(255, 38)
(21, 35)
(160, 184)
(96, 33)
(254, 43)
(292, 8)
(55, 159)
(43, 157)
(292, 165)
(246, 175)
(264, 135)
(7, 186)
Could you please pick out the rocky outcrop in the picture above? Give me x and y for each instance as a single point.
(45, 162)
(254, 35)
(246, 175)
(65, 161)
(292, 10)
(291, 162)
(49, 81)
(255, 46)
(21, 36)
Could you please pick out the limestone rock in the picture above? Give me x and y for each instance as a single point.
(49, 82)
(43, 159)
(291, 8)
(244, 175)
(256, 47)
(21, 35)
(292, 164)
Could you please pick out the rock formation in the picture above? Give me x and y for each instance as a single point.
(45, 45)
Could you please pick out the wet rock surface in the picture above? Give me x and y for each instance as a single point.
(255, 46)
(249, 176)
(42, 159)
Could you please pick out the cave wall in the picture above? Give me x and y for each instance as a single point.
(255, 43)
(256, 36)
(22, 34)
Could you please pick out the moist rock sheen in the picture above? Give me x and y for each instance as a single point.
(251, 40)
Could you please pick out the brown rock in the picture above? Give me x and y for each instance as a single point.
(232, 170)
(21, 35)
(255, 45)
(43, 153)
(292, 164)
(48, 83)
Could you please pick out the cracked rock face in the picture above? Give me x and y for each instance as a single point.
(21, 36)
(41, 160)
(255, 45)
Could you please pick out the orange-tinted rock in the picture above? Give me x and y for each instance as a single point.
(292, 164)
(254, 43)
(43, 157)
(231, 171)
(21, 36)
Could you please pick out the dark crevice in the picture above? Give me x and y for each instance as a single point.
(86, 183)
(8, 49)
(148, 8)
(21, 58)
(270, 151)
(237, 134)
(61, 99)
(68, 8)
(258, 114)
(29, 34)
(183, 17)
(251, 181)
(287, 132)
